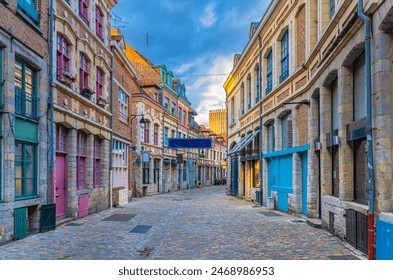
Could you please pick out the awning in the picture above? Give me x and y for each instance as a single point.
(244, 142)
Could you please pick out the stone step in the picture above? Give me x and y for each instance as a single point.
(316, 223)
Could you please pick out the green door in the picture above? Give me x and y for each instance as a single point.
(20, 217)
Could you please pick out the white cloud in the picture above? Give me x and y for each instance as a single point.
(210, 90)
(183, 68)
(209, 16)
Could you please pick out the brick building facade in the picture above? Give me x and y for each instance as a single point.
(24, 90)
(300, 85)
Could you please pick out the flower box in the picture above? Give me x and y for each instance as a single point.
(87, 92)
(68, 78)
(102, 101)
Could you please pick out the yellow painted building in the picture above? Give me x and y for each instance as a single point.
(218, 121)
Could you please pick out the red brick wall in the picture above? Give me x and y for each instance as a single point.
(301, 37)
(23, 31)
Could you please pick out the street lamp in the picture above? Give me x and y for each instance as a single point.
(142, 121)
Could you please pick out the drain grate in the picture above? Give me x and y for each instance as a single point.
(119, 218)
(270, 214)
(343, 257)
(140, 229)
(73, 224)
(297, 221)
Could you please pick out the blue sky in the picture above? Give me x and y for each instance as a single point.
(191, 37)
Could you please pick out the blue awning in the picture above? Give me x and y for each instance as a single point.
(177, 143)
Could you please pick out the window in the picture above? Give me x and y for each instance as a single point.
(146, 133)
(146, 173)
(155, 134)
(99, 24)
(257, 83)
(166, 104)
(156, 171)
(166, 141)
(63, 57)
(26, 100)
(249, 91)
(286, 125)
(233, 110)
(99, 83)
(184, 118)
(97, 163)
(284, 57)
(179, 135)
(173, 109)
(359, 93)
(332, 6)
(120, 163)
(242, 98)
(81, 160)
(179, 110)
(123, 106)
(30, 8)
(84, 10)
(173, 133)
(61, 139)
(84, 72)
(269, 72)
(25, 170)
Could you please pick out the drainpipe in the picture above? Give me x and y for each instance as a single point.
(260, 124)
(163, 156)
(51, 190)
(370, 159)
(111, 128)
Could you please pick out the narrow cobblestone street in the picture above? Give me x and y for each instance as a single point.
(192, 224)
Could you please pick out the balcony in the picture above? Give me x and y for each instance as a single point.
(26, 104)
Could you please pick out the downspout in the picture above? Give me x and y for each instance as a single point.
(227, 155)
(51, 190)
(111, 128)
(260, 124)
(163, 155)
(370, 156)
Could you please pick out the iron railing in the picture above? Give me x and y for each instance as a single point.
(26, 104)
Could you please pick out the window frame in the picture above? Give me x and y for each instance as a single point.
(84, 72)
(99, 83)
(81, 155)
(62, 55)
(146, 172)
(284, 56)
(155, 134)
(84, 11)
(123, 105)
(23, 162)
(146, 133)
(99, 23)
(31, 11)
(249, 86)
(21, 96)
(269, 72)
(97, 163)
(61, 139)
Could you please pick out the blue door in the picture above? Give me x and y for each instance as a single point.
(384, 240)
(304, 183)
(235, 176)
(280, 179)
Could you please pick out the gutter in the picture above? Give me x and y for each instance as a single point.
(370, 155)
(51, 191)
(111, 128)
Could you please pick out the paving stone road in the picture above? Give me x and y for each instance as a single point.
(193, 224)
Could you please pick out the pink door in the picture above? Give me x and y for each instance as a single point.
(83, 206)
(60, 185)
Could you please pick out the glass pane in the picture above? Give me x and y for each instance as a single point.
(18, 70)
(18, 187)
(30, 187)
(30, 166)
(29, 152)
(18, 169)
(29, 89)
(29, 76)
(18, 151)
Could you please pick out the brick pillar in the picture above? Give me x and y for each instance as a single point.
(345, 116)
(382, 110)
(72, 199)
(313, 162)
(295, 199)
(326, 159)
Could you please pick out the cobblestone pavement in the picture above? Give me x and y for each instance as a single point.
(192, 224)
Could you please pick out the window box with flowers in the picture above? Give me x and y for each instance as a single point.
(102, 101)
(87, 92)
(68, 78)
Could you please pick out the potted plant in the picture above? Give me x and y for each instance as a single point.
(87, 92)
